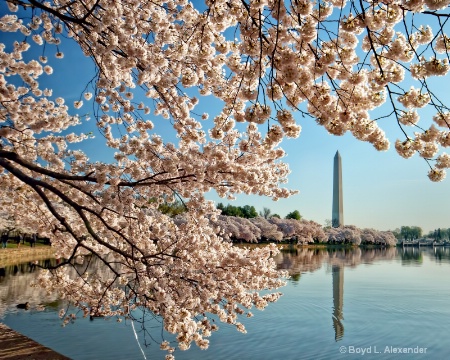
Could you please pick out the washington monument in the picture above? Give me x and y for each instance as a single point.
(337, 218)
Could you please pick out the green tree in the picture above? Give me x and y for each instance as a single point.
(172, 209)
(249, 211)
(410, 232)
(246, 211)
(265, 213)
(294, 215)
(405, 232)
(397, 233)
(220, 206)
(231, 210)
(416, 232)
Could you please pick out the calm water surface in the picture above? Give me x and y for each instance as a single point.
(338, 304)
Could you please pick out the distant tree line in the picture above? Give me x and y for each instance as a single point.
(249, 212)
(246, 211)
(410, 233)
(439, 234)
(244, 223)
(300, 232)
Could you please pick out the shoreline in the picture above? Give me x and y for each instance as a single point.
(13, 256)
(15, 346)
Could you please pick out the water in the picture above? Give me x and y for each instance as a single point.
(337, 304)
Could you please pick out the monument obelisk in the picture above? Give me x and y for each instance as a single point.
(337, 218)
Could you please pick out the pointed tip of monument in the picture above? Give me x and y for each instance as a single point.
(337, 153)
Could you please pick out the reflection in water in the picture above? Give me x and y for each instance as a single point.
(338, 301)
(441, 253)
(300, 260)
(15, 289)
(15, 281)
(414, 255)
(411, 255)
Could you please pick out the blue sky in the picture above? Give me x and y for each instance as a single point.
(381, 190)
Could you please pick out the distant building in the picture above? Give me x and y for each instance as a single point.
(337, 218)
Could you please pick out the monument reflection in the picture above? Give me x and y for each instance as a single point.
(337, 272)
(301, 260)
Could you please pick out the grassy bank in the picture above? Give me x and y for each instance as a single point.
(14, 255)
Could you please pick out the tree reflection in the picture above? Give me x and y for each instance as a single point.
(302, 260)
(297, 260)
(411, 256)
(15, 286)
(441, 253)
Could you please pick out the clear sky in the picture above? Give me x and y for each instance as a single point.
(381, 190)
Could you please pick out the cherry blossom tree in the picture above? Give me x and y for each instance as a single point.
(269, 231)
(6, 223)
(9, 224)
(302, 231)
(386, 238)
(237, 228)
(336, 62)
(312, 232)
(350, 234)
